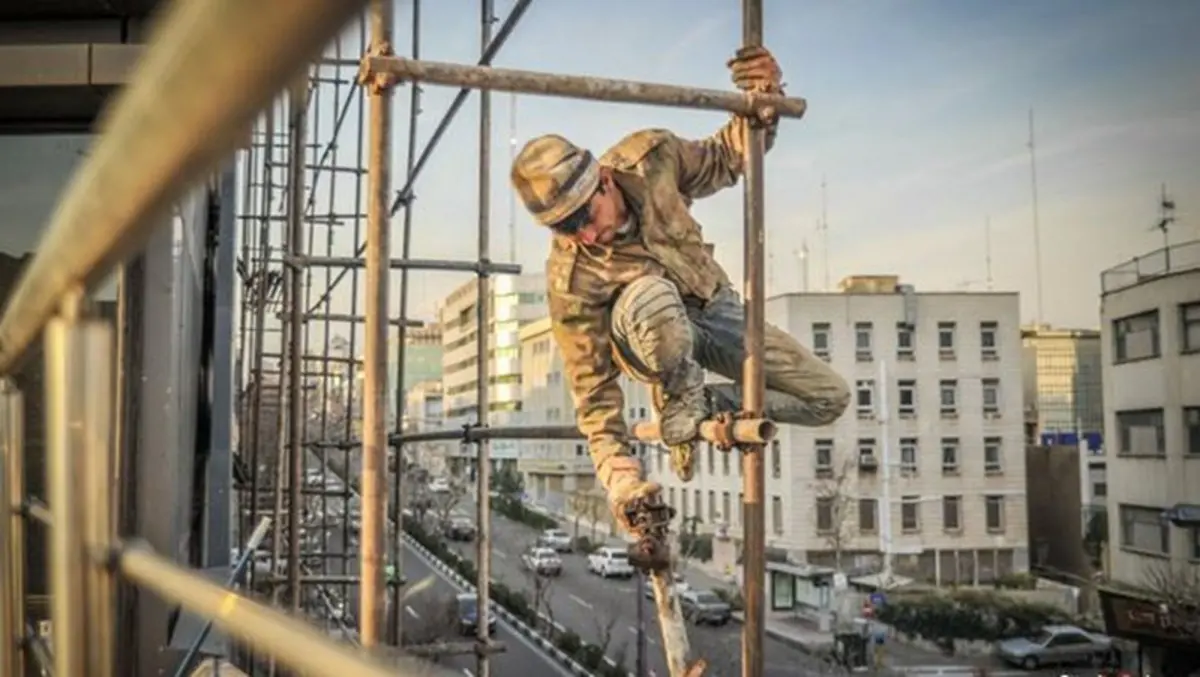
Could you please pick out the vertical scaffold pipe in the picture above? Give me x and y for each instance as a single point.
(753, 381)
(372, 598)
(482, 319)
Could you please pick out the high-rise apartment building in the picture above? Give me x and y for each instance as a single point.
(422, 360)
(1150, 327)
(515, 301)
(927, 463)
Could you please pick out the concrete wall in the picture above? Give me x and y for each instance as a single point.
(1055, 510)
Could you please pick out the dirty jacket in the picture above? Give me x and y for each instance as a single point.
(660, 174)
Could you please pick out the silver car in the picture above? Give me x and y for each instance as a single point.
(1056, 645)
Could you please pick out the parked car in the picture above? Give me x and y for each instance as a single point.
(439, 486)
(542, 561)
(468, 614)
(679, 586)
(556, 539)
(610, 562)
(460, 529)
(1056, 645)
(704, 607)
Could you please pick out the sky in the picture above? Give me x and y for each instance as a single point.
(918, 123)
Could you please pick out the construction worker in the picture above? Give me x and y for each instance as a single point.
(632, 286)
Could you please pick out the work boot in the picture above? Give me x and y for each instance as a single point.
(679, 424)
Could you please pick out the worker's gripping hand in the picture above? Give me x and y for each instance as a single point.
(754, 69)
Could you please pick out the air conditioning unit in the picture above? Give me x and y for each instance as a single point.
(867, 462)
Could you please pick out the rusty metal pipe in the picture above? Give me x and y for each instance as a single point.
(583, 87)
(745, 431)
(372, 589)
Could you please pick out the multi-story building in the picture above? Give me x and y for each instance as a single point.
(554, 470)
(422, 360)
(1064, 402)
(1150, 324)
(423, 411)
(515, 301)
(927, 464)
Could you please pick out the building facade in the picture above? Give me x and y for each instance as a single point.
(515, 301)
(556, 470)
(423, 411)
(927, 464)
(422, 361)
(1150, 325)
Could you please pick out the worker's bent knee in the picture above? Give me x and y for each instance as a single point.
(829, 402)
(651, 328)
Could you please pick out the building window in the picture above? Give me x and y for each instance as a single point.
(823, 452)
(1136, 337)
(862, 341)
(825, 515)
(910, 514)
(712, 458)
(994, 513)
(993, 457)
(952, 513)
(1191, 423)
(777, 514)
(741, 506)
(865, 399)
(578, 450)
(1189, 319)
(725, 463)
(989, 350)
(908, 398)
(991, 397)
(1141, 433)
(1145, 530)
(699, 500)
(671, 498)
(908, 456)
(821, 340)
(776, 461)
(866, 454)
(948, 393)
(946, 340)
(867, 512)
(726, 514)
(949, 455)
(905, 346)
(1196, 543)
(1099, 489)
(712, 507)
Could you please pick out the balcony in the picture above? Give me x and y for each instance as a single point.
(1177, 258)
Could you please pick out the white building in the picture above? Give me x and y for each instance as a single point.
(952, 445)
(556, 469)
(422, 412)
(516, 300)
(1150, 319)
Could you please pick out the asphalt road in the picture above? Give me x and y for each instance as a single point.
(597, 609)
(429, 596)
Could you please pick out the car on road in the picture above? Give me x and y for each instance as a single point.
(610, 563)
(468, 614)
(459, 529)
(542, 561)
(678, 586)
(704, 607)
(556, 539)
(1056, 645)
(439, 486)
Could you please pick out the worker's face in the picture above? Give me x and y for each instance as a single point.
(605, 214)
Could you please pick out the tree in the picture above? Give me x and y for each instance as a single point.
(443, 503)
(590, 504)
(605, 623)
(508, 484)
(435, 620)
(835, 500)
(540, 589)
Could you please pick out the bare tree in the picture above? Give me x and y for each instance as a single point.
(540, 589)
(443, 503)
(435, 621)
(605, 623)
(835, 505)
(1177, 586)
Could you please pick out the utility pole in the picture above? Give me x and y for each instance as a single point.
(1037, 228)
(1166, 216)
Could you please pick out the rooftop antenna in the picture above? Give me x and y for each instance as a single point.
(1037, 229)
(1166, 217)
(802, 254)
(987, 249)
(823, 226)
(512, 194)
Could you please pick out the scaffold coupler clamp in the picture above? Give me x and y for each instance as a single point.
(467, 428)
(373, 81)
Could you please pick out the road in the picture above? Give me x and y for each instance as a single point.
(426, 607)
(598, 609)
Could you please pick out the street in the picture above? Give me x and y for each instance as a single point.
(604, 612)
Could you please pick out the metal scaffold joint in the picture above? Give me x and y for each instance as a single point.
(376, 81)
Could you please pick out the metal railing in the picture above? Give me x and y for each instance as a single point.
(1176, 258)
(189, 105)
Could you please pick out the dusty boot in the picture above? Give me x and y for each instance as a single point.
(626, 487)
(679, 423)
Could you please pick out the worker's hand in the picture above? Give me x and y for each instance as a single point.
(755, 70)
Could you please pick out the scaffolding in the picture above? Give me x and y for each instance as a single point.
(158, 140)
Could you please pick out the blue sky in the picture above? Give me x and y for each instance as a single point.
(918, 118)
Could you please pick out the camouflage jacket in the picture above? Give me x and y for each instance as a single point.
(660, 175)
